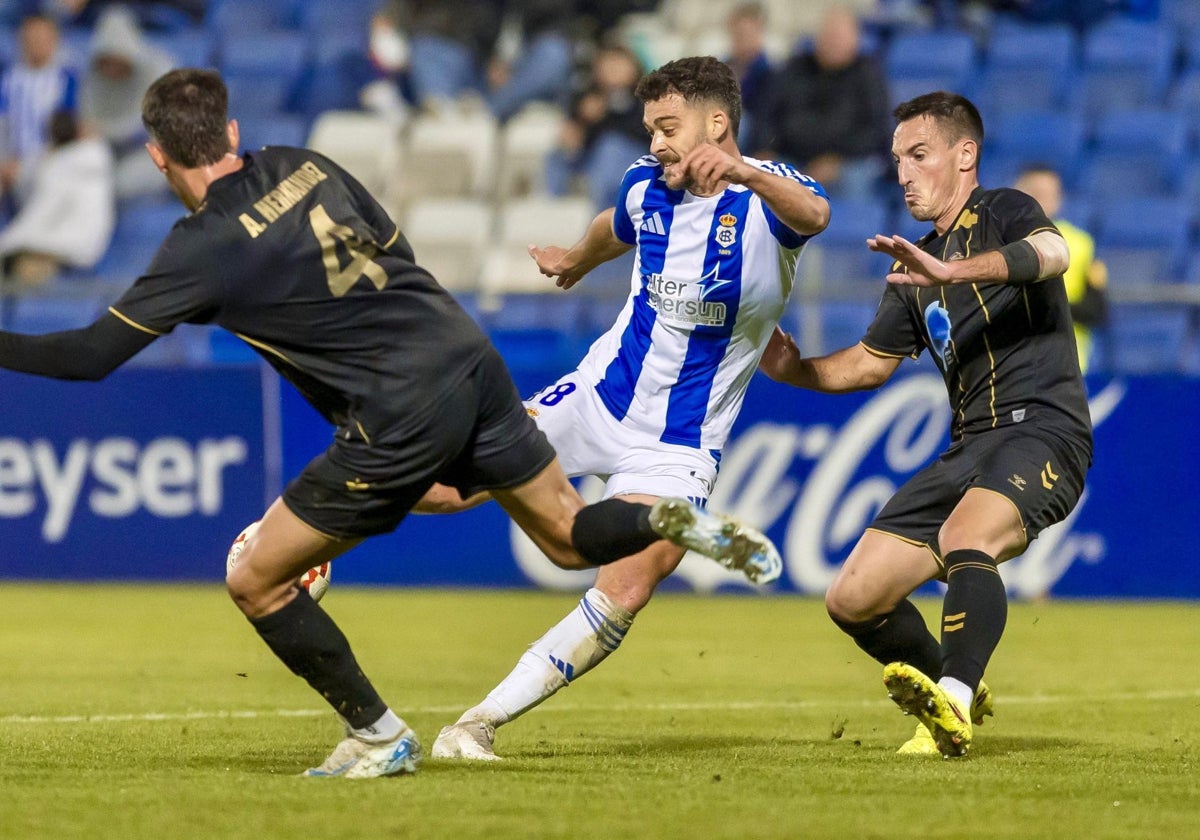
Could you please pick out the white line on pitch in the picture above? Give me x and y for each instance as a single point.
(755, 705)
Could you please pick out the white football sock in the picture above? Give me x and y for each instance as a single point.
(570, 649)
(959, 690)
(389, 726)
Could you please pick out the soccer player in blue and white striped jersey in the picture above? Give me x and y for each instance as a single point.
(651, 405)
(30, 91)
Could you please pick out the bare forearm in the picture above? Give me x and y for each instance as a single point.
(851, 369)
(598, 245)
(1048, 249)
(796, 205)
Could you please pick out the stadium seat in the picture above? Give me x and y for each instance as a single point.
(1028, 66)
(1034, 136)
(945, 56)
(1147, 339)
(224, 18)
(525, 141)
(263, 69)
(269, 129)
(1143, 240)
(447, 154)
(839, 256)
(365, 145)
(1126, 64)
(450, 237)
(1136, 152)
(844, 324)
(508, 268)
(140, 229)
(1182, 15)
(188, 47)
(345, 19)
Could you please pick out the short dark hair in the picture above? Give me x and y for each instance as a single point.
(697, 79)
(63, 127)
(186, 113)
(956, 116)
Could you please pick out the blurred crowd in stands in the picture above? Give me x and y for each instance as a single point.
(481, 123)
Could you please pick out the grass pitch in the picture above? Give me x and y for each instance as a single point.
(155, 712)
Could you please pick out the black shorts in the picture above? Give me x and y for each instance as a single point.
(479, 438)
(1040, 472)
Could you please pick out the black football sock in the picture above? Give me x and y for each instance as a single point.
(974, 613)
(898, 636)
(612, 529)
(305, 638)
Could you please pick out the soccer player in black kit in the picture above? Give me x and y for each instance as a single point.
(287, 251)
(983, 293)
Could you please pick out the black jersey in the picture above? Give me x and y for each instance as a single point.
(294, 256)
(1006, 350)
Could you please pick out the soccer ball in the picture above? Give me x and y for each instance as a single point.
(315, 580)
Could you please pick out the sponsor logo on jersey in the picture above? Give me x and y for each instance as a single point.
(531, 411)
(1018, 482)
(685, 303)
(937, 324)
(1018, 415)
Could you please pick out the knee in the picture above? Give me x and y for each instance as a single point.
(849, 605)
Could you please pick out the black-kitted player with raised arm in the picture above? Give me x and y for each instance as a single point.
(983, 292)
(290, 253)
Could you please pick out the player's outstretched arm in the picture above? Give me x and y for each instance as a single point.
(1036, 257)
(850, 369)
(568, 265)
(90, 353)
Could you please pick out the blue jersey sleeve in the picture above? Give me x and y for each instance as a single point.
(787, 237)
(644, 169)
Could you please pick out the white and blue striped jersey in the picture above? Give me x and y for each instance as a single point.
(28, 97)
(711, 279)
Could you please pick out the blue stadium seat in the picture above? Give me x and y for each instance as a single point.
(1136, 152)
(921, 62)
(1184, 99)
(1143, 240)
(1147, 339)
(344, 19)
(841, 250)
(189, 47)
(1028, 66)
(228, 17)
(1126, 64)
(1182, 15)
(140, 229)
(1023, 137)
(263, 69)
(267, 129)
(844, 324)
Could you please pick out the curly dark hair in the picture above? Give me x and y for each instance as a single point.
(697, 79)
(955, 115)
(186, 112)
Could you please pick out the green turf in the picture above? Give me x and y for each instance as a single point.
(732, 717)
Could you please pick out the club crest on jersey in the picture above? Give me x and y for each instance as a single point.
(726, 234)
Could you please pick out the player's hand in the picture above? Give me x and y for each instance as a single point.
(552, 261)
(924, 269)
(781, 356)
(707, 165)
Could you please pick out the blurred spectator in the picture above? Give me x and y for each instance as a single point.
(123, 64)
(603, 133)
(31, 90)
(510, 52)
(827, 111)
(533, 57)
(149, 13)
(747, 25)
(1086, 277)
(68, 217)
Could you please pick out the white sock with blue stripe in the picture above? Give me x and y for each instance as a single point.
(571, 648)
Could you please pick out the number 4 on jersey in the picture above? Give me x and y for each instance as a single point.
(329, 233)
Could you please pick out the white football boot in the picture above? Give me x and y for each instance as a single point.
(731, 543)
(357, 759)
(470, 739)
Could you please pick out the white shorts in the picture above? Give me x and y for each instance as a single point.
(590, 441)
